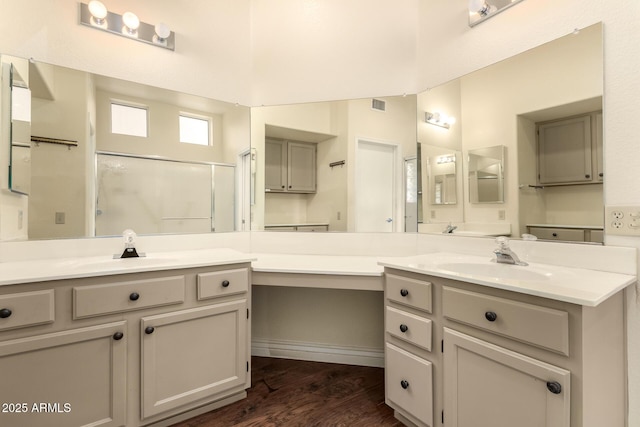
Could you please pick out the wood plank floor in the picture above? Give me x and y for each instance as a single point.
(300, 393)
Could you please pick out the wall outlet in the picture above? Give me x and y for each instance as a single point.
(501, 215)
(60, 217)
(622, 220)
(433, 214)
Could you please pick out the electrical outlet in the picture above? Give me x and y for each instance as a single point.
(433, 214)
(501, 215)
(622, 220)
(60, 217)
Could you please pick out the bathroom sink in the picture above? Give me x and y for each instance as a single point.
(491, 270)
(115, 263)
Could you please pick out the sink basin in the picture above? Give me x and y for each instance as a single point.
(490, 270)
(114, 263)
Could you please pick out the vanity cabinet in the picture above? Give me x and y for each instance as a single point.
(125, 350)
(570, 150)
(290, 166)
(492, 357)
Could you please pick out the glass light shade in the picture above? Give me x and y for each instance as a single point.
(131, 21)
(97, 10)
(162, 31)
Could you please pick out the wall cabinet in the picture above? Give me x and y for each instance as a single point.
(290, 166)
(131, 349)
(459, 354)
(570, 150)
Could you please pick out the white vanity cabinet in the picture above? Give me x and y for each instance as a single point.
(290, 166)
(503, 358)
(128, 349)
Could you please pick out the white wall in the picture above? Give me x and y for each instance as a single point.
(213, 43)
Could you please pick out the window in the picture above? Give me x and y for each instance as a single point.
(195, 130)
(129, 120)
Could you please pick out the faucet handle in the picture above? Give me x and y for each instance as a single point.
(502, 242)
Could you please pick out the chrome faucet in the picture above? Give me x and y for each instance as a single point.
(504, 255)
(449, 229)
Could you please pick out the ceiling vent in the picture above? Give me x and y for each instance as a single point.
(378, 104)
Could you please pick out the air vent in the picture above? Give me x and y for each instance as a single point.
(378, 104)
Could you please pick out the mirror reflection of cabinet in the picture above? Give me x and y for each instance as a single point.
(290, 166)
(570, 150)
(486, 175)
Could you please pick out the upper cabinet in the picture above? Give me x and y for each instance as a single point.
(290, 166)
(570, 150)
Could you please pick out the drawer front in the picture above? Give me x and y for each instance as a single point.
(566, 234)
(409, 383)
(409, 327)
(96, 300)
(221, 283)
(411, 292)
(26, 308)
(596, 236)
(543, 327)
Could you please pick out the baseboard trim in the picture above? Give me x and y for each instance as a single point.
(318, 352)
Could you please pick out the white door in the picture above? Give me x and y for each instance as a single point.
(375, 187)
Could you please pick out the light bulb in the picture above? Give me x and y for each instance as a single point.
(162, 31)
(131, 23)
(98, 12)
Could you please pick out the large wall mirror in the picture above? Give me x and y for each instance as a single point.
(335, 166)
(541, 111)
(97, 155)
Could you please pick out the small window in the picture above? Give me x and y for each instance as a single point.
(129, 120)
(195, 130)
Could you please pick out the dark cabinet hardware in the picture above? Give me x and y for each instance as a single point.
(149, 330)
(490, 316)
(225, 283)
(404, 292)
(134, 296)
(118, 336)
(404, 328)
(404, 384)
(554, 387)
(4, 313)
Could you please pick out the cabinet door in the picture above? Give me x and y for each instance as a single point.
(67, 379)
(487, 385)
(275, 165)
(301, 172)
(192, 355)
(564, 154)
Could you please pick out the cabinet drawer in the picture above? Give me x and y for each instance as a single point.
(409, 327)
(543, 327)
(221, 283)
(95, 300)
(411, 292)
(409, 383)
(566, 234)
(26, 308)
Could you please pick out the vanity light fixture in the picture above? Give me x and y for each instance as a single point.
(439, 119)
(447, 158)
(95, 15)
(481, 10)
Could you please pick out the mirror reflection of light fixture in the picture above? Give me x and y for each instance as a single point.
(96, 15)
(481, 10)
(439, 119)
(446, 158)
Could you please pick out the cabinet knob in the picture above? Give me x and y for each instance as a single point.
(149, 330)
(554, 387)
(600, 174)
(404, 292)
(404, 384)
(490, 316)
(554, 234)
(134, 296)
(404, 328)
(118, 336)
(587, 176)
(4, 313)
(225, 283)
(289, 186)
(283, 186)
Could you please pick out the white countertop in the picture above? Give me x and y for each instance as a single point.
(573, 285)
(318, 264)
(17, 272)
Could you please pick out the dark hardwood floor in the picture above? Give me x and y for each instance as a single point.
(300, 393)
